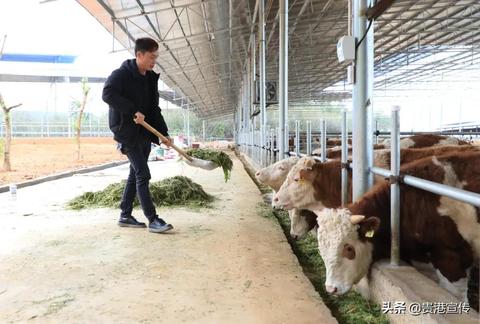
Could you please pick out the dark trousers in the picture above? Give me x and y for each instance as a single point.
(137, 182)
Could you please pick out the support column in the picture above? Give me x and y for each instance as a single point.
(344, 159)
(395, 187)
(283, 80)
(362, 151)
(262, 70)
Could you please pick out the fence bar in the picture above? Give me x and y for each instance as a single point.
(395, 188)
(324, 140)
(433, 187)
(344, 159)
(309, 138)
(297, 137)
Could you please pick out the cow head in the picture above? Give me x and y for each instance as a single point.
(297, 190)
(274, 175)
(344, 242)
(302, 221)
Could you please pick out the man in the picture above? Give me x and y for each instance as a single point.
(132, 95)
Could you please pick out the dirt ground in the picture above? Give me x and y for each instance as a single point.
(220, 265)
(35, 157)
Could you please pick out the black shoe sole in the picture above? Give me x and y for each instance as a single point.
(163, 230)
(131, 225)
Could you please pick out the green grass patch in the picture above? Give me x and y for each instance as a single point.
(176, 191)
(264, 210)
(219, 157)
(350, 308)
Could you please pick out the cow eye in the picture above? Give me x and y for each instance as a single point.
(348, 252)
(281, 168)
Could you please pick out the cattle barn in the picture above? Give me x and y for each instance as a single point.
(354, 133)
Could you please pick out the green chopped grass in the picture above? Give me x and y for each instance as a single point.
(174, 191)
(218, 157)
(350, 308)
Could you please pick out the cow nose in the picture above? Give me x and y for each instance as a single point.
(331, 289)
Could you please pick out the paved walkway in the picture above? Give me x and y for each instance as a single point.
(220, 265)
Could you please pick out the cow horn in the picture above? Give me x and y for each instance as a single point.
(355, 219)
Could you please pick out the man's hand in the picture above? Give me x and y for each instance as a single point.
(168, 142)
(139, 117)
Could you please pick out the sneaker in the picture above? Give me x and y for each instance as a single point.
(130, 221)
(159, 226)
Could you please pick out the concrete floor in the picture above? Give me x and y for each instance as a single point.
(221, 265)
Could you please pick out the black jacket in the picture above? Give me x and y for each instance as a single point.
(126, 91)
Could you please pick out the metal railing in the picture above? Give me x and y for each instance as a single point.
(250, 144)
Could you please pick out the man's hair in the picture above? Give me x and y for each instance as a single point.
(145, 45)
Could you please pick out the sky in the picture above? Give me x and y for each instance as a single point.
(60, 27)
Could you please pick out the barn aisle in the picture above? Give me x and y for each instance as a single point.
(220, 265)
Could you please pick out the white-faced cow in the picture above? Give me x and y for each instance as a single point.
(427, 140)
(274, 175)
(382, 157)
(433, 229)
(311, 185)
(301, 220)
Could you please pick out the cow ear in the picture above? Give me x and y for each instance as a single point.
(308, 164)
(305, 174)
(368, 227)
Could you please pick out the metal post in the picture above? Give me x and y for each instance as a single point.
(344, 159)
(275, 146)
(362, 151)
(309, 137)
(263, 144)
(394, 187)
(324, 140)
(286, 143)
(297, 137)
(261, 66)
(239, 122)
(272, 146)
(283, 79)
(244, 102)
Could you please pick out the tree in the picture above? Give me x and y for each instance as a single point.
(81, 108)
(8, 133)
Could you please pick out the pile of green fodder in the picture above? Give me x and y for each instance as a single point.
(174, 191)
(350, 308)
(218, 157)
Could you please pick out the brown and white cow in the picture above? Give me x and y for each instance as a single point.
(274, 175)
(336, 151)
(311, 185)
(382, 157)
(301, 220)
(414, 141)
(427, 140)
(433, 228)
